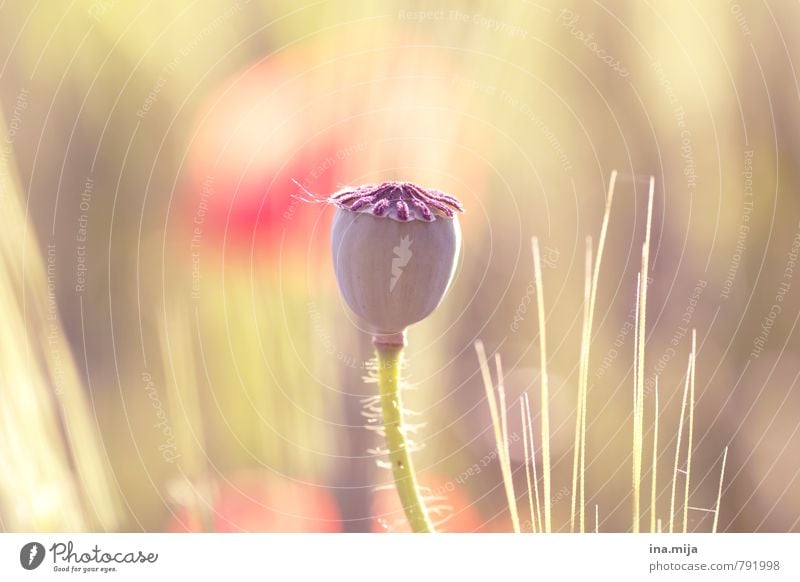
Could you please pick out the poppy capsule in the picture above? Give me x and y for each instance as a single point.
(395, 247)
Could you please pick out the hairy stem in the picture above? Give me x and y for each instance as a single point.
(405, 480)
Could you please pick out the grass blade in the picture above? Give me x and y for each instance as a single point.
(580, 416)
(527, 462)
(545, 391)
(505, 457)
(678, 447)
(498, 433)
(640, 352)
(654, 480)
(719, 491)
(691, 433)
(533, 461)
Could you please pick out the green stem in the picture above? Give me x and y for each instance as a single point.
(405, 480)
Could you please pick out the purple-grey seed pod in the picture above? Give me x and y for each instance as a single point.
(395, 247)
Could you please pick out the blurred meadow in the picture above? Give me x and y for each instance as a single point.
(175, 356)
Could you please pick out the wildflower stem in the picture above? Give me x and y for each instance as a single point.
(405, 480)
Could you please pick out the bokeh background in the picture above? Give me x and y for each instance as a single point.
(175, 355)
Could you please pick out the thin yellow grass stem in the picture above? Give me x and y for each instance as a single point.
(527, 464)
(653, 479)
(691, 433)
(719, 491)
(637, 407)
(580, 417)
(502, 448)
(498, 433)
(601, 244)
(585, 390)
(678, 448)
(533, 461)
(590, 299)
(545, 392)
(640, 353)
(635, 394)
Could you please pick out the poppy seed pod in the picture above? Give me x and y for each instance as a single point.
(395, 247)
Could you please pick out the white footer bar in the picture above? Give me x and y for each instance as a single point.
(399, 557)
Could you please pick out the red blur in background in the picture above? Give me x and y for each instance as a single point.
(250, 501)
(298, 122)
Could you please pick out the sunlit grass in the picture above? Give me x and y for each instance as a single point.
(719, 491)
(638, 399)
(654, 470)
(530, 463)
(500, 426)
(591, 278)
(53, 474)
(690, 445)
(578, 497)
(545, 390)
(678, 446)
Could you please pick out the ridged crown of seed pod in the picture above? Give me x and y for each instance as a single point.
(395, 247)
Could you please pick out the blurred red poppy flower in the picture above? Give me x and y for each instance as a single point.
(341, 110)
(254, 137)
(256, 502)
